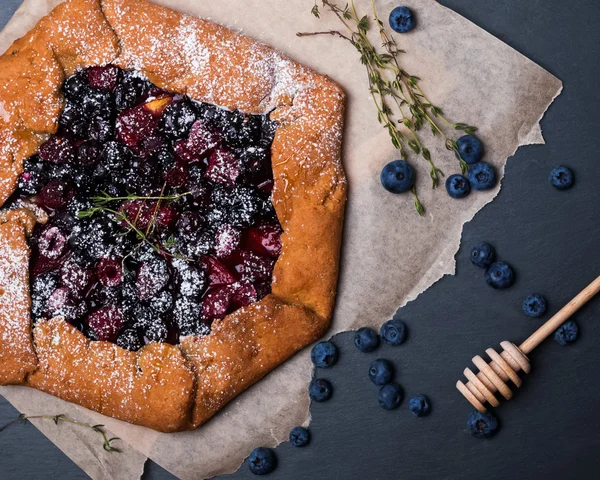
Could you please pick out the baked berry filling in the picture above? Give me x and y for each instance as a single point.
(159, 210)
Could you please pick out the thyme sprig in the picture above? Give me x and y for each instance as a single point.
(392, 87)
(107, 443)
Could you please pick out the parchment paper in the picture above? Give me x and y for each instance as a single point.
(390, 255)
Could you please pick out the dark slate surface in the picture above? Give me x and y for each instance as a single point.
(550, 430)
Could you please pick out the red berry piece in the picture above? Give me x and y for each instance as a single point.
(110, 272)
(138, 213)
(133, 125)
(244, 294)
(58, 150)
(52, 243)
(177, 175)
(200, 142)
(166, 217)
(265, 239)
(103, 78)
(223, 168)
(227, 240)
(218, 274)
(106, 323)
(217, 302)
(75, 278)
(152, 277)
(54, 195)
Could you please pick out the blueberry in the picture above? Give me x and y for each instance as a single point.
(397, 176)
(567, 333)
(482, 176)
(390, 396)
(324, 354)
(402, 19)
(366, 339)
(319, 390)
(483, 255)
(457, 186)
(179, 118)
(262, 461)
(393, 332)
(381, 371)
(561, 177)
(500, 275)
(470, 148)
(482, 425)
(419, 406)
(130, 90)
(34, 176)
(534, 305)
(299, 437)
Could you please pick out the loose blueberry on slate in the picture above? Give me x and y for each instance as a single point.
(419, 406)
(393, 332)
(397, 176)
(500, 275)
(324, 354)
(482, 176)
(262, 461)
(299, 437)
(320, 390)
(381, 371)
(390, 396)
(483, 255)
(567, 333)
(534, 305)
(366, 339)
(470, 148)
(402, 19)
(458, 186)
(482, 425)
(561, 177)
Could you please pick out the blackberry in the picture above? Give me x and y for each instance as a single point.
(178, 119)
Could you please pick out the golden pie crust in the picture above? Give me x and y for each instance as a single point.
(166, 387)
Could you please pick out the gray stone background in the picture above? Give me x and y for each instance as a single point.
(550, 429)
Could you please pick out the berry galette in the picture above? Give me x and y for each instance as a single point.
(172, 206)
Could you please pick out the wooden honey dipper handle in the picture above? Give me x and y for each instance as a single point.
(560, 317)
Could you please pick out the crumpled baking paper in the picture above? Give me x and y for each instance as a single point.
(390, 254)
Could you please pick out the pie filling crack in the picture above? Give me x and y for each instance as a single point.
(172, 200)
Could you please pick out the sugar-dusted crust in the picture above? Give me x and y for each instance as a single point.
(172, 388)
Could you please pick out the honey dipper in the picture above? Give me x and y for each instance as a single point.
(494, 376)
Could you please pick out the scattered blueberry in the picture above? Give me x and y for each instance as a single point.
(402, 19)
(393, 332)
(534, 305)
(458, 186)
(262, 461)
(419, 406)
(561, 177)
(381, 371)
(366, 339)
(482, 176)
(500, 275)
(397, 176)
(320, 390)
(482, 425)
(483, 255)
(470, 148)
(299, 437)
(390, 396)
(567, 333)
(324, 354)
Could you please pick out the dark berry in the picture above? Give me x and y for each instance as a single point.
(76, 278)
(52, 243)
(458, 186)
(153, 276)
(138, 213)
(103, 78)
(223, 167)
(381, 371)
(34, 176)
(106, 323)
(500, 275)
(390, 396)
(483, 255)
(110, 272)
(156, 331)
(133, 125)
(96, 102)
(189, 223)
(41, 288)
(262, 461)
(397, 176)
(130, 90)
(319, 390)
(366, 339)
(419, 406)
(470, 148)
(393, 332)
(177, 175)
(324, 355)
(162, 302)
(187, 314)
(75, 86)
(567, 333)
(115, 156)
(482, 176)
(62, 304)
(227, 240)
(198, 145)
(534, 305)
(178, 119)
(73, 122)
(482, 425)
(54, 195)
(402, 20)
(129, 340)
(101, 128)
(57, 150)
(562, 177)
(191, 280)
(88, 154)
(78, 204)
(299, 437)
(166, 217)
